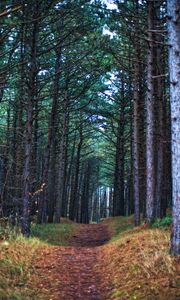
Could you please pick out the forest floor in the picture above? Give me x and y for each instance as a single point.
(74, 272)
(106, 261)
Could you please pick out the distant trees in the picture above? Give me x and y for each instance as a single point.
(85, 117)
(52, 65)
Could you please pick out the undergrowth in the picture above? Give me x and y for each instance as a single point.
(16, 259)
(165, 222)
(54, 234)
(17, 255)
(118, 225)
(136, 261)
(139, 262)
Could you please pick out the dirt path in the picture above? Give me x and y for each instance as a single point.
(73, 273)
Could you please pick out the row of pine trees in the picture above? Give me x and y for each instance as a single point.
(89, 115)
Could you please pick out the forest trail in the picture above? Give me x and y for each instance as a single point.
(72, 273)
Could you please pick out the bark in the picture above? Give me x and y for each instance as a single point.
(136, 153)
(85, 195)
(52, 182)
(111, 202)
(174, 67)
(118, 197)
(74, 189)
(35, 159)
(5, 174)
(62, 161)
(160, 131)
(159, 106)
(70, 176)
(18, 124)
(26, 190)
(136, 132)
(167, 170)
(26, 172)
(150, 165)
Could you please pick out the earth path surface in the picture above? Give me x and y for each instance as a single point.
(74, 273)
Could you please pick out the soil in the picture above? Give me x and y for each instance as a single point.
(74, 273)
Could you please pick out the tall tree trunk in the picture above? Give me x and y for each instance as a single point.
(32, 86)
(5, 172)
(118, 197)
(136, 132)
(167, 176)
(52, 182)
(18, 127)
(62, 161)
(84, 215)
(159, 104)
(70, 176)
(150, 164)
(75, 183)
(174, 69)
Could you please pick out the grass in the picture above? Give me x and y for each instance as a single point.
(17, 255)
(16, 260)
(118, 225)
(139, 262)
(136, 261)
(54, 234)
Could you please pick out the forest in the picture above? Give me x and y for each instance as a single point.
(89, 149)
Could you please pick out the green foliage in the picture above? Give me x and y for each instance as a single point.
(54, 234)
(165, 222)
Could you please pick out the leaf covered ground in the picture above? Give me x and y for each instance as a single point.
(18, 257)
(74, 272)
(106, 261)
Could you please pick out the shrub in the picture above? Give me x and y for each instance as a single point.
(165, 222)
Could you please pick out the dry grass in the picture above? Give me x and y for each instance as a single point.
(17, 256)
(138, 264)
(16, 260)
(118, 225)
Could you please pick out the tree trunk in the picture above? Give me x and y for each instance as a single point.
(150, 166)
(75, 183)
(136, 132)
(118, 197)
(174, 67)
(62, 161)
(31, 93)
